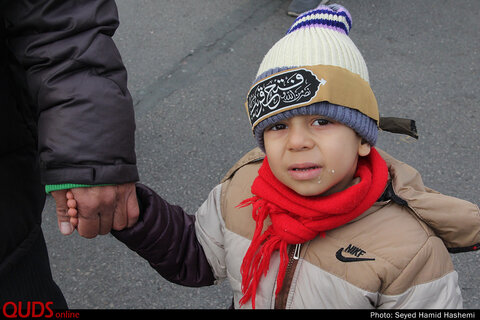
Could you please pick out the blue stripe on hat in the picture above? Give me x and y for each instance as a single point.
(324, 22)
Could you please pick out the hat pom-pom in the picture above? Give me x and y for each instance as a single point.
(333, 16)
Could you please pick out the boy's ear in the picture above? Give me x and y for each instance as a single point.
(364, 148)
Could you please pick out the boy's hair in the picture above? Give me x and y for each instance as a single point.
(315, 69)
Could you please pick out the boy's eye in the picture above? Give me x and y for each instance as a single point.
(321, 122)
(277, 126)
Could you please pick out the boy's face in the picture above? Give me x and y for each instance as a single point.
(313, 155)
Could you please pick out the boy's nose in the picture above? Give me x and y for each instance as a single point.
(299, 139)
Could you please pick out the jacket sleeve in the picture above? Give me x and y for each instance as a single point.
(165, 236)
(428, 281)
(77, 85)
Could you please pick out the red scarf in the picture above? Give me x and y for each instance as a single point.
(297, 219)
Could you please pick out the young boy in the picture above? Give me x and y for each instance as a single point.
(316, 217)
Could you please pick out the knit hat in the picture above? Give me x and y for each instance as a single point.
(315, 69)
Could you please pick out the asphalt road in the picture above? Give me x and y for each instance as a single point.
(191, 63)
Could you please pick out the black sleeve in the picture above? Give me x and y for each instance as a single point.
(165, 237)
(77, 85)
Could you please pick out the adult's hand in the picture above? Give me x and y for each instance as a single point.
(99, 209)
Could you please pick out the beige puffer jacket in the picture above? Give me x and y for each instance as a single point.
(392, 256)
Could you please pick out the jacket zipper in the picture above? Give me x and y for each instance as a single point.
(296, 252)
(293, 257)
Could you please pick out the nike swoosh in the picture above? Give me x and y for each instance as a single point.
(348, 259)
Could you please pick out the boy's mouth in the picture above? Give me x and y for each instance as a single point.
(304, 171)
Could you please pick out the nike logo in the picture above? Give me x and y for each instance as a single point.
(355, 251)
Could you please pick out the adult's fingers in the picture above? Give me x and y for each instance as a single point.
(107, 207)
(95, 208)
(61, 209)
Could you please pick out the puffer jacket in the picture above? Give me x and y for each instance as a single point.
(394, 255)
(66, 115)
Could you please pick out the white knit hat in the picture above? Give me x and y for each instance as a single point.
(317, 37)
(326, 71)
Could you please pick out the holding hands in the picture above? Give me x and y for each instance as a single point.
(96, 210)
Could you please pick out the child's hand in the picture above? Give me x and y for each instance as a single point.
(72, 209)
